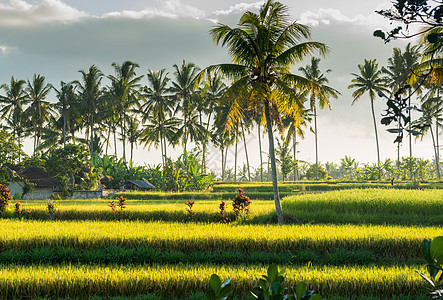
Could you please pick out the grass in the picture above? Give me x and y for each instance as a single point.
(321, 186)
(383, 241)
(355, 243)
(145, 255)
(209, 195)
(179, 281)
(369, 206)
(147, 210)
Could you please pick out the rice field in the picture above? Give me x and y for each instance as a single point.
(358, 243)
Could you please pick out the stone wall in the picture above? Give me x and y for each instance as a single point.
(39, 193)
(86, 194)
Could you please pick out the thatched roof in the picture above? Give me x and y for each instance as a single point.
(143, 184)
(38, 177)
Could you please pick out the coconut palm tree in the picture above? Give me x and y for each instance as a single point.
(263, 48)
(66, 106)
(319, 91)
(296, 125)
(369, 81)
(399, 71)
(212, 94)
(13, 102)
(124, 86)
(39, 111)
(183, 87)
(90, 94)
(158, 131)
(158, 104)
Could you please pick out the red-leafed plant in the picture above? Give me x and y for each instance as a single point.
(224, 216)
(189, 204)
(5, 197)
(121, 203)
(241, 203)
(18, 208)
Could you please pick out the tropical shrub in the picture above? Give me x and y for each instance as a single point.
(118, 171)
(310, 172)
(241, 203)
(270, 287)
(5, 197)
(218, 290)
(432, 252)
(70, 165)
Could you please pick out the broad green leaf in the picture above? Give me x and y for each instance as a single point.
(272, 272)
(300, 290)
(436, 249)
(315, 297)
(426, 250)
(215, 284)
(276, 288)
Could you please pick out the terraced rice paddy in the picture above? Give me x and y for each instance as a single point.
(351, 245)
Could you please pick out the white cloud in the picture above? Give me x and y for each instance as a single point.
(21, 13)
(170, 9)
(239, 8)
(326, 16)
(5, 50)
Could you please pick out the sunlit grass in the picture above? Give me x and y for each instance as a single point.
(179, 281)
(383, 241)
(370, 206)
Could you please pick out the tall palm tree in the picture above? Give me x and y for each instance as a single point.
(263, 48)
(213, 92)
(320, 92)
(124, 86)
(158, 131)
(432, 109)
(369, 81)
(90, 94)
(134, 133)
(13, 102)
(399, 71)
(39, 111)
(158, 104)
(183, 87)
(66, 106)
(296, 125)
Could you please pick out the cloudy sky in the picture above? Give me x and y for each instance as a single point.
(57, 38)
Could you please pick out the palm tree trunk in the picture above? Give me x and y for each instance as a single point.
(205, 142)
(273, 165)
(64, 129)
(294, 149)
(107, 142)
(92, 134)
(115, 141)
(235, 159)
(437, 148)
(185, 133)
(376, 139)
(435, 152)
(246, 151)
(222, 166)
(162, 152)
(261, 157)
(410, 135)
(316, 143)
(226, 158)
(164, 145)
(124, 138)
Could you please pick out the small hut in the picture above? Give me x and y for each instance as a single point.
(139, 185)
(43, 183)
